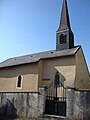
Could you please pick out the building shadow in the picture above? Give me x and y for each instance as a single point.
(8, 111)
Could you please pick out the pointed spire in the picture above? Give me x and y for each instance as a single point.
(64, 21)
(64, 34)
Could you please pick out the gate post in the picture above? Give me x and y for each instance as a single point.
(70, 100)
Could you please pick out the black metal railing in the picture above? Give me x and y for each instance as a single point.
(54, 92)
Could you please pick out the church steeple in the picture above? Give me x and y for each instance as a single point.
(64, 22)
(64, 35)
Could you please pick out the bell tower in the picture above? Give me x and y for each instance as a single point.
(64, 34)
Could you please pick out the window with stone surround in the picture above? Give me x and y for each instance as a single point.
(19, 82)
(57, 79)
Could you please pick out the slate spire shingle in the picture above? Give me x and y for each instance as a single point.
(64, 34)
(64, 22)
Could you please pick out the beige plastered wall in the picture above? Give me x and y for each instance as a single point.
(64, 65)
(9, 75)
(73, 73)
(82, 80)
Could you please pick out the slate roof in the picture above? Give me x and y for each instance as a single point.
(64, 21)
(37, 56)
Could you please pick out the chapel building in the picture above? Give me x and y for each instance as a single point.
(27, 73)
(55, 82)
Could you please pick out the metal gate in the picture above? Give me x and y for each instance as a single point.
(56, 98)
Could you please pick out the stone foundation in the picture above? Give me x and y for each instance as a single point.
(29, 105)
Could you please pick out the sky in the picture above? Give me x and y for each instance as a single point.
(29, 26)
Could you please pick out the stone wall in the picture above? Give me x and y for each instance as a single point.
(78, 104)
(30, 105)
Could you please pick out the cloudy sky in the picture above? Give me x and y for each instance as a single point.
(29, 26)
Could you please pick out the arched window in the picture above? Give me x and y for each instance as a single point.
(19, 81)
(62, 38)
(57, 79)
